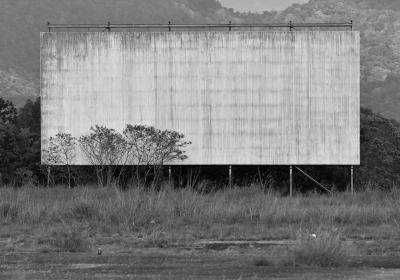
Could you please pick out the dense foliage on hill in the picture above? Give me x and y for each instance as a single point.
(380, 149)
(381, 4)
(19, 142)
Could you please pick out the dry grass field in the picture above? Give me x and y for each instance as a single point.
(341, 230)
(186, 215)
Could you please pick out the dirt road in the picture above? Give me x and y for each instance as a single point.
(177, 264)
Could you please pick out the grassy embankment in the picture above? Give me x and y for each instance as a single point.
(82, 218)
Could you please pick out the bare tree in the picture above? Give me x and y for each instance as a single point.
(152, 148)
(61, 151)
(106, 150)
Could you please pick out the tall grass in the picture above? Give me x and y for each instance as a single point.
(322, 248)
(232, 213)
(325, 248)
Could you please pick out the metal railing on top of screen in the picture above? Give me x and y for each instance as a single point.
(170, 26)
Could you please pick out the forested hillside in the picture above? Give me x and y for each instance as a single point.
(21, 21)
(379, 21)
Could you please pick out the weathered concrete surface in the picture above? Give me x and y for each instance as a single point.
(240, 97)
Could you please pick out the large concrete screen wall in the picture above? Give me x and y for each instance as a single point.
(270, 98)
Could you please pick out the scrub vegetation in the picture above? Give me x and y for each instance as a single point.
(20, 156)
(66, 208)
(321, 248)
(71, 220)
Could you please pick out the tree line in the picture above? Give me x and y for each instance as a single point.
(115, 157)
(144, 149)
(138, 150)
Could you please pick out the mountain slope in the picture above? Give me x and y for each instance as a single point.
(21, 21)
(379, 22)
(17, 88)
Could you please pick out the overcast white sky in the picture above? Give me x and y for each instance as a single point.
(259, 5)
